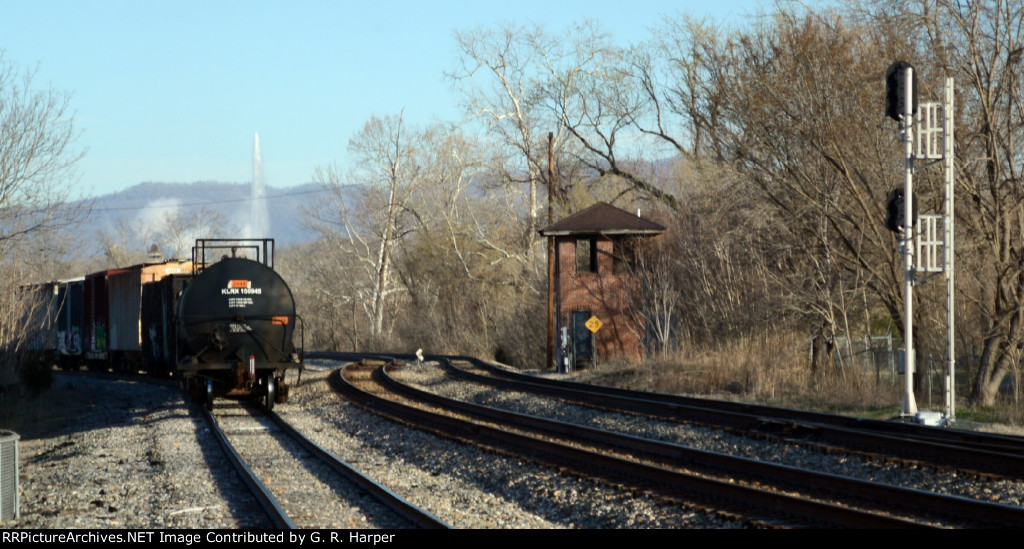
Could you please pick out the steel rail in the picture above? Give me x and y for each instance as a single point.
(979, 453)
(763, 505)
(396, 503)
(264, 498)
(986, 441)
(949, 508)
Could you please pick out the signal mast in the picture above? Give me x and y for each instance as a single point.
(926, 132)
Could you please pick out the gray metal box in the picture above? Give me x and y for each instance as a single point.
(10, 507)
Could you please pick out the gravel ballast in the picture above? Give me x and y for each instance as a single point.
(106, 453)
(103, 452)
(1008, 492)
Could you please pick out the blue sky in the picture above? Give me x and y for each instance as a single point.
(174, 91)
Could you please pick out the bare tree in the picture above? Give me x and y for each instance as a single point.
(326, 291)
(603, 101)
(37, 158)
(370, 220)
(792, 105)
(516, 81)
(982, 45)
(178, 229)
(125, 243)
(498, 73)
(459, 272)
(656, 295)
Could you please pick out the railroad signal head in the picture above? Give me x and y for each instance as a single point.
(894, 211)
(896, 90)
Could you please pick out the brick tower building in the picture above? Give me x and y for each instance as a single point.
(593, 317)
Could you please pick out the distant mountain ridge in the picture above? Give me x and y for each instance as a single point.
(146, 202)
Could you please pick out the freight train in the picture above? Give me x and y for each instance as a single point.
(224, 322)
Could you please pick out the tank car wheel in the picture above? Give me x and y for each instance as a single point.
(209, 395)
(271, 392)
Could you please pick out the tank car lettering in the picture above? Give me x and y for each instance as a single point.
(239, 284)
(280, 320)
(252, 291)
(240, 328)
(229, 291)
(239, 302)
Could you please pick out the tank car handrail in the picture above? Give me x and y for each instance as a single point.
(266, 245)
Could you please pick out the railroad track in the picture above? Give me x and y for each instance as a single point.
(298, 484)
(986, 455)
(951, 510)
(538, 495)
(632, 464)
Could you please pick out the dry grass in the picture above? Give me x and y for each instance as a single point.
(772, 369)
(775, 370)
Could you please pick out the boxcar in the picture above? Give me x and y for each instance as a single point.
(124, 294)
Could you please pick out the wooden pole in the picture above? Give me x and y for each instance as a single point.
(551, 258)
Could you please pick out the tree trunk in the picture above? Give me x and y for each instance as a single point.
(991, 372)
(821, 353)
(384, 261)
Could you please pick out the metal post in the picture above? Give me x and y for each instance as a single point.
(909, 404)
(947, 224)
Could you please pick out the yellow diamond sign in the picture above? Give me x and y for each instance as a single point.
(594, 324)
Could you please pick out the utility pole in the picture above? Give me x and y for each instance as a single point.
(551, 255)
